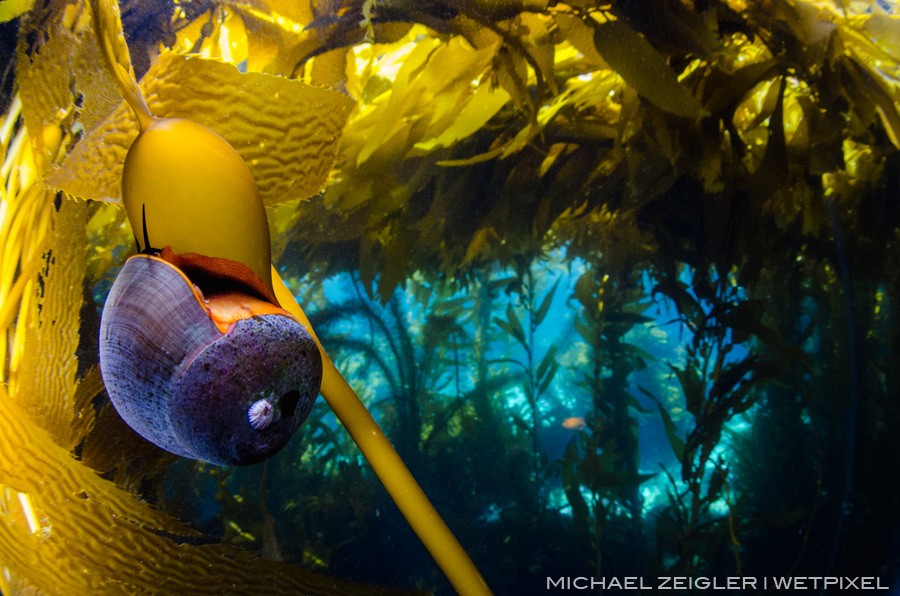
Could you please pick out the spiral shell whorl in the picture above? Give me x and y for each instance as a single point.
(183, 385)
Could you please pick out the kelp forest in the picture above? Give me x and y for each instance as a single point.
(618, 280)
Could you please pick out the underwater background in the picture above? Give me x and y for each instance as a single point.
(619, 281)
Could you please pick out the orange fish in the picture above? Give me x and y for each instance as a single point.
(574, 423)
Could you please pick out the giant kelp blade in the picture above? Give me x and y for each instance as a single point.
(482, 105)
(111, 39)
(275, 40)
(675, 441)
(92, 537)
(643, 68)
(57, 75)
(10, 9)
(882, 31)
(883, 97)
(285, 130)
(572, 484)
(44, 380)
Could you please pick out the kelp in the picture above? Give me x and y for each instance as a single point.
(576, 102)
(520, 113)
(608, 108)
(731, 162)
(65, 528)
(287, 165)
(538, 371)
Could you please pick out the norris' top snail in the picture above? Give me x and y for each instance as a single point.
(207, 395)
(219, 374)
(196, 354)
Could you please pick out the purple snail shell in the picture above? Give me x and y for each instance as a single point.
(228, 398)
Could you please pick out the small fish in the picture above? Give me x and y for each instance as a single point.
(574, 423)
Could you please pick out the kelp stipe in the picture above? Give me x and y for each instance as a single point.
(396, 478)
(393, 473)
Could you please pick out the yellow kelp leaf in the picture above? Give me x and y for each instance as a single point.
(94, 538)
(884, 97)
(555, 151)
(596, 91)
(511, 72)
(44, 71)
(58, 75)
(545, 116)
(540, 44)
(42, 381)
(645, 69)
(285, 130)
(581, 36)
(94, 89)
(10, 9)
(883, 31)
(480, 245)
(477, 111)
(88, 387)
(432, 88)
(387, 111)
(275, 33)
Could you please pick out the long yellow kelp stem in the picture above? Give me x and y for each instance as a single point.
(393, 473)
(115, 52)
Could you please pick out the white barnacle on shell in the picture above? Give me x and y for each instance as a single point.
(261, 414)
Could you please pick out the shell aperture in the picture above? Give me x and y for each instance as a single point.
(184, 366)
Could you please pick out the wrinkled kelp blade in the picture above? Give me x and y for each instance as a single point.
(283, 129)
(44, 382)
(96, 538)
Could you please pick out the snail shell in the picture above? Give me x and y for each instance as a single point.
(226, 390)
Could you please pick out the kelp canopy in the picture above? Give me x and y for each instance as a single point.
(701, 195)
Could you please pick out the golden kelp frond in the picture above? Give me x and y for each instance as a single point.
(44, 236)
(105, 18)
(284, 130)
(546, 111)
(275, 32)
(23, 227)
(435, 84)
(540, 89)
(616, 233)
(13, 8)
(62, 90)
(854, 41)
(76, 533)
(64, 529)
(43, 382)
(645, 69)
